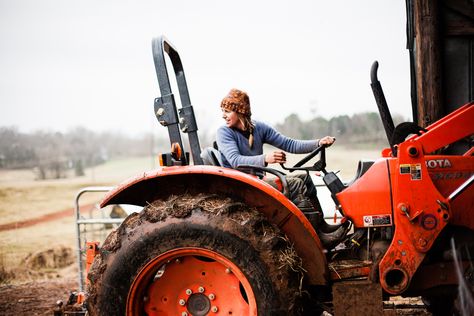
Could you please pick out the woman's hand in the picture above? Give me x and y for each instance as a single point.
(275, 157)
(327, 141)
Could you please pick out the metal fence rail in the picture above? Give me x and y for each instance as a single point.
(80, 220)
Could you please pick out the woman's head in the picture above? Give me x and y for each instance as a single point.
(236, 109)
(236, 112)
(237, 101)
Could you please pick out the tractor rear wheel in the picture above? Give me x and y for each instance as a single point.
(195, 255)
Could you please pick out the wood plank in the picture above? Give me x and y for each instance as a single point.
(428, 71)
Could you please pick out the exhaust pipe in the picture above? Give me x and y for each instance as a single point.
(382, 106)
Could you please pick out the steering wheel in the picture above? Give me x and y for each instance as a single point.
(319, 165)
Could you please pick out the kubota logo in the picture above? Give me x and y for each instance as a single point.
(438, 163)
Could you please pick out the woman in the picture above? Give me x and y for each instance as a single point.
(241, 143)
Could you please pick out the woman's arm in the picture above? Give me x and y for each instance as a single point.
(229, 147)
(295, 146)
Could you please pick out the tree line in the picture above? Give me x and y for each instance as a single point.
(53, 154)
(359, 129)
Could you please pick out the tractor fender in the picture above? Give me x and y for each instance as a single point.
(165, 181)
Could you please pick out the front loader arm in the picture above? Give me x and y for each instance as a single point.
(420, 211)
(456, 125)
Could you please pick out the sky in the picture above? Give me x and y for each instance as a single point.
(89, 63)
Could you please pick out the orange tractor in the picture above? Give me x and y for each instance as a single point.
(218, 241)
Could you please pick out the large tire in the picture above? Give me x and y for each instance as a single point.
(191, 255)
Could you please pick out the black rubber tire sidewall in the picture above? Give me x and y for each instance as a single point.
(114, 271)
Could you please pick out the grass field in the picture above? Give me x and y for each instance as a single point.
(22, 197)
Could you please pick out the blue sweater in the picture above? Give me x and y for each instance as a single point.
(236, 151)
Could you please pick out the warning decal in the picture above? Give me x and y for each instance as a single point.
(413, 169)
(377, 220)
(404, 169)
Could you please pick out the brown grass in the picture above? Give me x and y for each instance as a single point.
(22, 197)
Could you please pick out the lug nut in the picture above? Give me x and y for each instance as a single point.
(177, 261)
(184, 314)
(212, 297)
(182, 302)
(214, 309)
(189, 291)
(228, 271)
(422, 242)
(201, 289)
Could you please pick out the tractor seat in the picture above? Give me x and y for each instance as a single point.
(211, 156)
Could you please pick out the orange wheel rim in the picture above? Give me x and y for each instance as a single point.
(191, 281)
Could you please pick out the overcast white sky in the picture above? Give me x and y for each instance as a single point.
(66, 63)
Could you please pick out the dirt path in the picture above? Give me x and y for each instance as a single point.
(34, 298)
(42, 219)
(37, 297)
